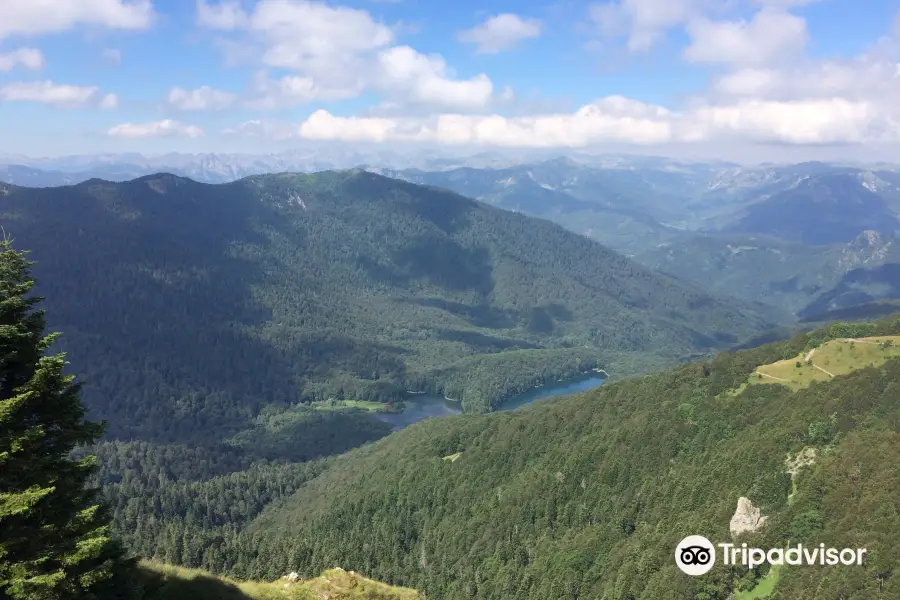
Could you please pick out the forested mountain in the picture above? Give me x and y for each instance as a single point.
(807, 280)
(825, 209)
(55, 532)
(585, 496)
(199, 312)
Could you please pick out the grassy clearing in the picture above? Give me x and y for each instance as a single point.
(833, 358)
(165, 582)
(333, 405)
(763, 588)
(452, 457)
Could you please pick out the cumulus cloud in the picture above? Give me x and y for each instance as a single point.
(619, 120)
(164, 128)
(501, 32)
(36, 17)
(611, 119)
(768, 36)
(418, 79)
(645, 22)
(61, 95)
(28, 58)
(335, 52)
(202, 98)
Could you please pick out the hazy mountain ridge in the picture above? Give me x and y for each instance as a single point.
(631, 204)
(795, 276)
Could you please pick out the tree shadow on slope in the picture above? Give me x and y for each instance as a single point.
(480, 315)
(436, 261)
(171, 585)
(484, 343)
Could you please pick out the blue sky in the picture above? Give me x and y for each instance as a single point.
(85, 76)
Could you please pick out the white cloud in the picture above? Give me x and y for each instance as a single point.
(202, 98)
(619, 120)
(335, 53)
(29, 58)
(769, 35)
(112, 55)
(322, 125)
(418, 79)
(612, 119)
(36, 17)
(164, 128)
(823, 121)
(47, 92)
(501, 32)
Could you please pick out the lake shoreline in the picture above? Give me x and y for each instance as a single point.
(419, 406)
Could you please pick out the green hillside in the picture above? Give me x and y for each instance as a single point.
(198, 312)
(586, 497)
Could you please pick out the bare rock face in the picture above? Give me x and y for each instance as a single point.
(747, 518)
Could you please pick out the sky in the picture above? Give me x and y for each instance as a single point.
(724, 78)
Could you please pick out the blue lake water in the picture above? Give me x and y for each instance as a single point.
(424, 406)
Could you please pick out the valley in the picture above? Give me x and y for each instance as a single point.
(343, 285)
(298, 334)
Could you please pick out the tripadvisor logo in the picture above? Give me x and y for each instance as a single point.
(696, 555)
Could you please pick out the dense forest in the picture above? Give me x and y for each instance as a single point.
(582, 497)
(199, 314)
(55, 534)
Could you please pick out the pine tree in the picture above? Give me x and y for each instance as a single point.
(54, 534)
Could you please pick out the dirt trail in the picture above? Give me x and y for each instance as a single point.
(859, 341)
(824, 371)
(809, 355)
(775, 378)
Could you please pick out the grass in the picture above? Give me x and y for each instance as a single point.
(833, 358)
(166, 582)
(332, 405)
(763, 588)
(452, 457)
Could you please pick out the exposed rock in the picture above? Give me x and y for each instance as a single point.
(747, 518)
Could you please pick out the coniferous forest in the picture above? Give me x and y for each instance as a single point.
(205, 322)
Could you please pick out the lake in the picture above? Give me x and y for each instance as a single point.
(424, 406)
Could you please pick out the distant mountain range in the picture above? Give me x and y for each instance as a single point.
(807, 280)
(684, 217)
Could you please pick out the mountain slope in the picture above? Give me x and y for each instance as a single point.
(801, 278)
(215, 301)
(615, 207)
(825, 209)
(588, 496)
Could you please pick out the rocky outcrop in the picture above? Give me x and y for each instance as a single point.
(747, 518)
